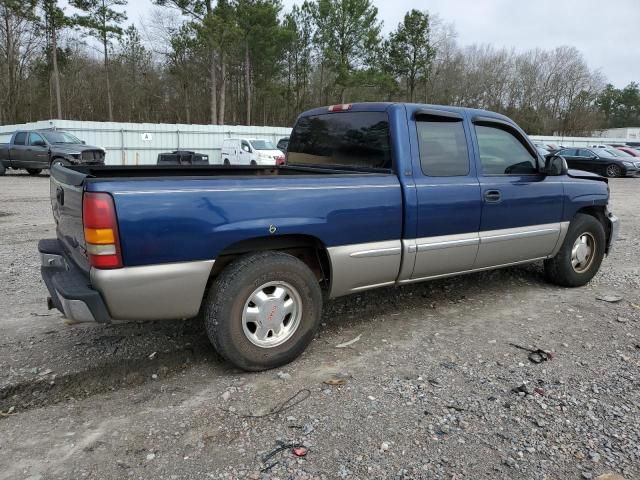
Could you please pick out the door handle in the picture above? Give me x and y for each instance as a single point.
(492, 196)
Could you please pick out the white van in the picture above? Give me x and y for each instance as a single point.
(250, 151)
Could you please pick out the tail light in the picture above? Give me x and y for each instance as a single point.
(342, 107)
(280, 160)
(101, 230)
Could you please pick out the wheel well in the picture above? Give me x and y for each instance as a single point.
(306, 248)
(598, 212)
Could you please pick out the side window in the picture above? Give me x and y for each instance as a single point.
(20, 138)
(568, 152)
(583, 152)
(35, 138)
(443, 148)
(501, 153)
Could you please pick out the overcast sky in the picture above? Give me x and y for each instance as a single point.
(606, 32)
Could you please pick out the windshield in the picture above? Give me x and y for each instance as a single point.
(618, 153)
(61, 137)
(262, 145)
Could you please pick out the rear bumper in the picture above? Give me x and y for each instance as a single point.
(153, 292)
(69, 287)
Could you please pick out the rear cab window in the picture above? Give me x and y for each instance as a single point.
(358, 140)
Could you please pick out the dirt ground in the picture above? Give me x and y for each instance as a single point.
(426, 392)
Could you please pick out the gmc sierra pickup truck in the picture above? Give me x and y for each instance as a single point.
(373, 195)
(37, 150)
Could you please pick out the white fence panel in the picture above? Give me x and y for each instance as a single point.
(140, 143)
(577, 141)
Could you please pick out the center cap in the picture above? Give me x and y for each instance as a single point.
(272, 314)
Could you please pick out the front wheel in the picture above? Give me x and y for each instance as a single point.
(613, 171)
(3, 169)
(581, 254)
(34, 171)
(60, 162)
(263, 310)
(253, 162)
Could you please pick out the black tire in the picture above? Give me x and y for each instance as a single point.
(232, 291)
(3, 169)
(613, 171)
(560, 269)
(227, 162)
(253, 162)
(59, 161)
(34, 171)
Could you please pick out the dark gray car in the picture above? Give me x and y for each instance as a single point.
(601, 161)
(37, 150)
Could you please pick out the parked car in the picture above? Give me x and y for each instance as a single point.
(600, 161)
(282, 144)
(375, 194)
(630, 150)
(37, 150)
(183, 157)
(250, 151)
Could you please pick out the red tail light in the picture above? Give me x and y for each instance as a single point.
(101, 230)
(342, 107)
(280, 160)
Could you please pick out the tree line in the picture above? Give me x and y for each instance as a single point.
(251, 62)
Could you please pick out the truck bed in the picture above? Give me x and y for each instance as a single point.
(177, 214)
(78, 174)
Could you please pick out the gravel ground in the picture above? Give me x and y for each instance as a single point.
(426, 392)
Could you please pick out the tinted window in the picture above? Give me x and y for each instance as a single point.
(352, 139)
(568, 152)
(35, 138)
(20, 138)
(501, 153)
(583, 152)
(443, 148)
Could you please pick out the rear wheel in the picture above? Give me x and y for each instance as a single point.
(34, 171)
(253, 162)
(263, 310)
(613, 171)
(227, 162)
(581, 254)
(3, 169)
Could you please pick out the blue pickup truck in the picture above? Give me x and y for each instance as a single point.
(373, 195)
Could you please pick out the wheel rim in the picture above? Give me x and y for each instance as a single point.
(272, 314)
(58, 162)
(583, 252)
(613, 171)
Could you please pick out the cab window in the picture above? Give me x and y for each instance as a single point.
(20, 138)
(34, 138)
(443, 148)
(502, 153)
(345, 139)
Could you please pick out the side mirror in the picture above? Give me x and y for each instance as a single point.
(555, 166)
(83, 142)
(246, 148)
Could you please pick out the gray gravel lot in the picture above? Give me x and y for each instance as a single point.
(426, 393)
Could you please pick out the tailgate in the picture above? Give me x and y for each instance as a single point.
(66, 189)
